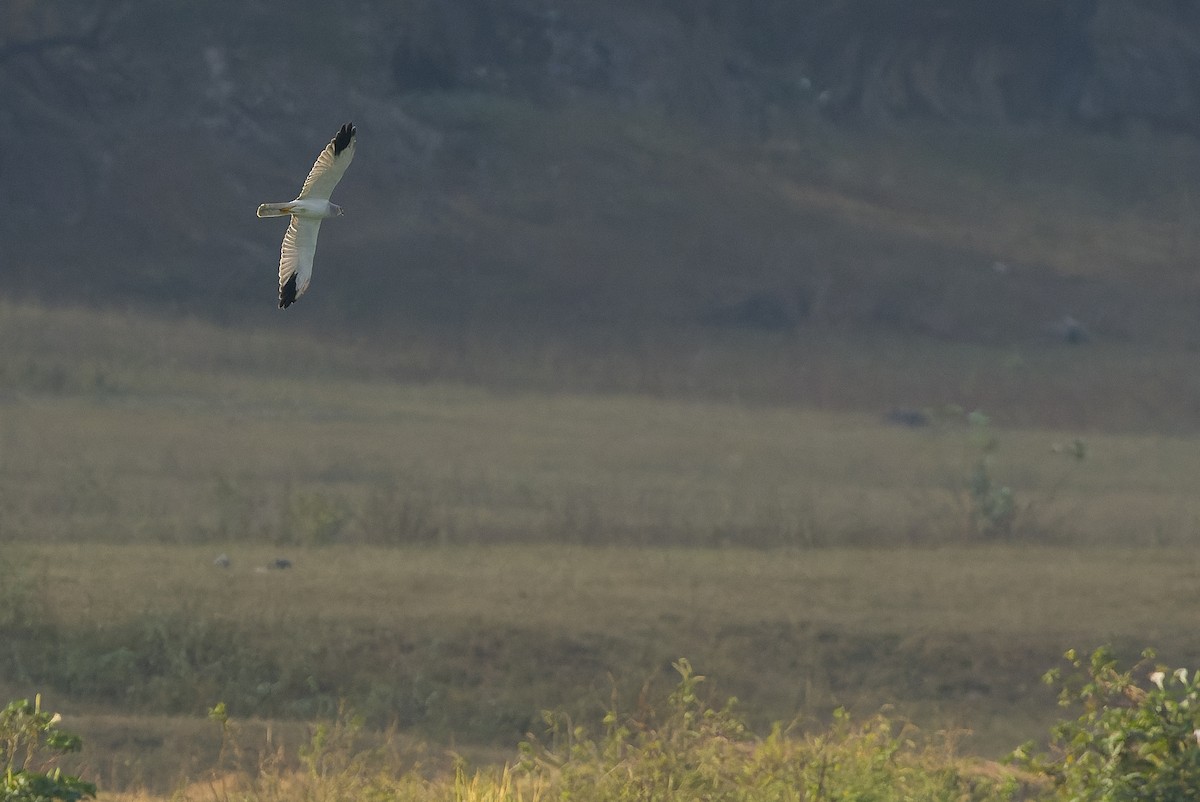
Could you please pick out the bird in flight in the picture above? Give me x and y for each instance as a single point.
(307, 211)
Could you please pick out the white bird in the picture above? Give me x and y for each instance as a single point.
(307, 211)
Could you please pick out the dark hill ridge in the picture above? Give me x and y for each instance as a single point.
(1096, 63)
(963, 169)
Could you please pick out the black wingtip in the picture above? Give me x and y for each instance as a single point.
(344, 136)
(287, 293)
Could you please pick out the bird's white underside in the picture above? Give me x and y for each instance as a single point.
(299, 247)
(307, 211)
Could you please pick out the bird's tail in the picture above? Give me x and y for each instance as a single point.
(274, 210)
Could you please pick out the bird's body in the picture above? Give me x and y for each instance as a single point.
(307, 211)
(309, 208)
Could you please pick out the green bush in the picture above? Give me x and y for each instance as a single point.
(1133, 740)
(32, 743)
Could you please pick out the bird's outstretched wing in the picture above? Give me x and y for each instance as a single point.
(331, 165)
(296, 259)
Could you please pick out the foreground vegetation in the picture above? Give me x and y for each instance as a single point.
(686, 749)
(466, 645)
(1136, 739)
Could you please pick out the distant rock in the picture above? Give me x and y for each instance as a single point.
(907, 416)
(222, 561)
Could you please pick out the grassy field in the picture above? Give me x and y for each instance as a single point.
(117, 428)
(465, 645)
(474, 540)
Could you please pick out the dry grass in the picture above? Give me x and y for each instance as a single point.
(534, 531)
(185, 454)
(951, 637)
(559, 590)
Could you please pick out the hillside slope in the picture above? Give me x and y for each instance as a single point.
(756, 165)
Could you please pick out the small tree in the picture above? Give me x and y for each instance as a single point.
(32, 743)
(993, 508)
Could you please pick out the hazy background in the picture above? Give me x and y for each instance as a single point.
(653, 329)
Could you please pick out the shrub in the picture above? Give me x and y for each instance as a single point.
(695, 751)
(993, 507)
(32, 743)
(1133, 741)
